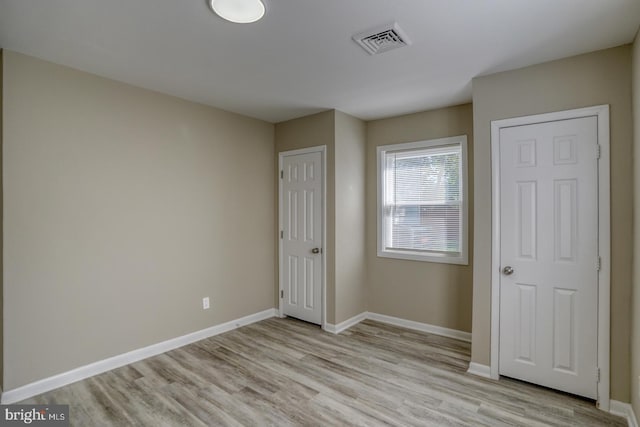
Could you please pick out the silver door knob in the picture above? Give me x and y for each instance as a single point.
(315, 250)
(507, 270)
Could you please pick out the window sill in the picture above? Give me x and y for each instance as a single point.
(434, 258)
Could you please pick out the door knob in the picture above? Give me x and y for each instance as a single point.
(315, 250)
(507, 270)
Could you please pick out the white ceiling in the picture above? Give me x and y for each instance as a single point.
(300, 59)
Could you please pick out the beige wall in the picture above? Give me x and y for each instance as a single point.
(438, 294)
(635, 304)
(123, 209)
(350, 281)
(596, 78)
(1, 229)
(305, 132)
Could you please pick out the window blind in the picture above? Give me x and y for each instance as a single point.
(423, 199)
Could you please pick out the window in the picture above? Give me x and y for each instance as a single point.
(422, 200)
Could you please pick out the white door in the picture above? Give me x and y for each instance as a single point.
(549, 254)
(301, 236)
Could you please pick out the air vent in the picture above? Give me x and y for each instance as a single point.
(382, 39)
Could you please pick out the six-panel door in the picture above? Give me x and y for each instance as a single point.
(548, 236)
(302, 236)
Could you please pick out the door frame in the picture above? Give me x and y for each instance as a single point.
(601, 112)
(322, 149)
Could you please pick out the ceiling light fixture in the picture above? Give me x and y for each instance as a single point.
(238, 11)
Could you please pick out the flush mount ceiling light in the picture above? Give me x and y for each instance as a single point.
(238, 11)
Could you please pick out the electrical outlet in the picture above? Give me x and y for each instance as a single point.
(205, 303)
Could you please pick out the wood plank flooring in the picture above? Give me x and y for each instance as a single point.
(283, 372)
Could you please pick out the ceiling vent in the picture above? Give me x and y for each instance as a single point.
(382, 39)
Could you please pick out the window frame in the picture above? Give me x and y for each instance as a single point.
(461, 258)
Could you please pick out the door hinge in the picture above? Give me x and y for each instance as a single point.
(598, 374)
(281, 294)
(598, 153)
(598, 264)
(281, 234)
(281, 174)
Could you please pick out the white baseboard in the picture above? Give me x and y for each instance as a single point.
(423, 327)
(624, 410)
(336, 329)
(83, 372)
(479, 370)
(409, 324)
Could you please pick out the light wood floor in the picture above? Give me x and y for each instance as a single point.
(283, 372)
